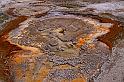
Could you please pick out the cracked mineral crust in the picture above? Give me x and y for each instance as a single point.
(61, 41)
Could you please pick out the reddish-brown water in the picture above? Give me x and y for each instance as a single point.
(111, 36)
(7, 49)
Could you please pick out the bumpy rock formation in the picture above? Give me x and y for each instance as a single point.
(67, 41)
(28, 8)
(59, 41)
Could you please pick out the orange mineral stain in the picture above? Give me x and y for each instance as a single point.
(86, 39)
(79, 80)
(80, 42)
(43, 73)
(89, 38)
(63, 67)
(91, 46)
(19, 73)
(18, 60)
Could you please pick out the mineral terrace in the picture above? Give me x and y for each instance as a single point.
(61, 41)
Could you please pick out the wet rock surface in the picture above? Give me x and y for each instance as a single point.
(62, 41)
(28, 8)
(3, 19)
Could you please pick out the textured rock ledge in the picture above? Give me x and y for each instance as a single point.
(61, 42)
